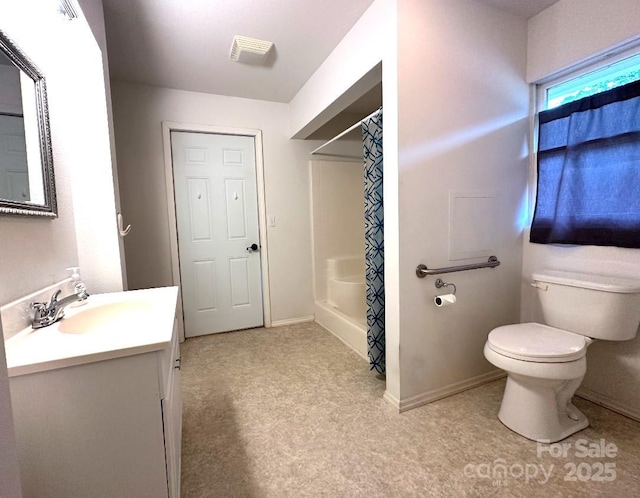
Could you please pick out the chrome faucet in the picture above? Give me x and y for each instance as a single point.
(46, 314)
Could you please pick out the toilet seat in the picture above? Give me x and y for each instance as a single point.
(538, 343)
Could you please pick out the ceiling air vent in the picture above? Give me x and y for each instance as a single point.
(249, 50)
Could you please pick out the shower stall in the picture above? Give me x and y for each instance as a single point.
(338, 250)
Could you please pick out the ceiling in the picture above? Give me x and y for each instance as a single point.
(522, 8)
(185, 44)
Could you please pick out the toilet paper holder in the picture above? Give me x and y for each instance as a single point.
(441, 283)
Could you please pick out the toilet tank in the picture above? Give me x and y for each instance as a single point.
(597, 306)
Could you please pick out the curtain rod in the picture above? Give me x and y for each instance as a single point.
(340, 135)
(343, 156)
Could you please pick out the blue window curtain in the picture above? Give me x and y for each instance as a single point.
(374, 239)
(589, 171)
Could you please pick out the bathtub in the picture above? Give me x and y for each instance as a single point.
(347, 294)
(344, 312)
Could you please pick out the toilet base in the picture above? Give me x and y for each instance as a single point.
(541, 409)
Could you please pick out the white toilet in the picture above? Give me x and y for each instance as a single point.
(546, 363)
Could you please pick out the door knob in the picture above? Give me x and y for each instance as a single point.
(252, 247)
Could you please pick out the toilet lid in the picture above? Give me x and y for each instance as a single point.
(537, 342)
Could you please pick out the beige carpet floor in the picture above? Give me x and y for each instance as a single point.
(292, 412)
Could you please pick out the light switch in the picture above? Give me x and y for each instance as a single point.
(271, 221)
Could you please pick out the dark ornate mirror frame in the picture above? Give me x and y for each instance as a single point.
(24, 64)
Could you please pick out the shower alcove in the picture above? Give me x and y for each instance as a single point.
(336, 172)
(338, 244)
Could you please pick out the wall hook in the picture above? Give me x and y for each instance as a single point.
(121, 230)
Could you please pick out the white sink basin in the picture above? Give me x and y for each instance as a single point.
(106, 317)
(108, 326)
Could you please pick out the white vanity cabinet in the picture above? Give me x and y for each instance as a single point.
(172, 415)
(103, 428)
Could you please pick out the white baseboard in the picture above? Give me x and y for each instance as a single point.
(392, 400)
(292, 321)
(443, 392)
(611, 404)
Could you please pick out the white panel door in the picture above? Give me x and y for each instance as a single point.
(217, 216)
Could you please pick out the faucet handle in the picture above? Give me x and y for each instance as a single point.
(40, 310)
(80, 289)
(38, 306)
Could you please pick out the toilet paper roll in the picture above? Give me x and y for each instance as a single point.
(444, 300)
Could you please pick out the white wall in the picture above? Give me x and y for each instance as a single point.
(337, 189)
(139, 112)
(26, 263)
(567, 34)
(455, 118)
(35, 252)
(463, 126)
(351, 69)
(82, 111)
(370, 46)
(572, 31)
(94, 13)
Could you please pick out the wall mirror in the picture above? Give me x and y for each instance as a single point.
(26, 165)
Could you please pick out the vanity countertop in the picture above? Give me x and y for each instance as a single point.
(107, 326)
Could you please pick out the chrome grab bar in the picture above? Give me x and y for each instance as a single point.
(422, 271)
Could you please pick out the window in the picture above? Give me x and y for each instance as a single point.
(589, 160)
(600, 80)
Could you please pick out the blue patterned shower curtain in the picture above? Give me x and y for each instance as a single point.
(374, 239)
